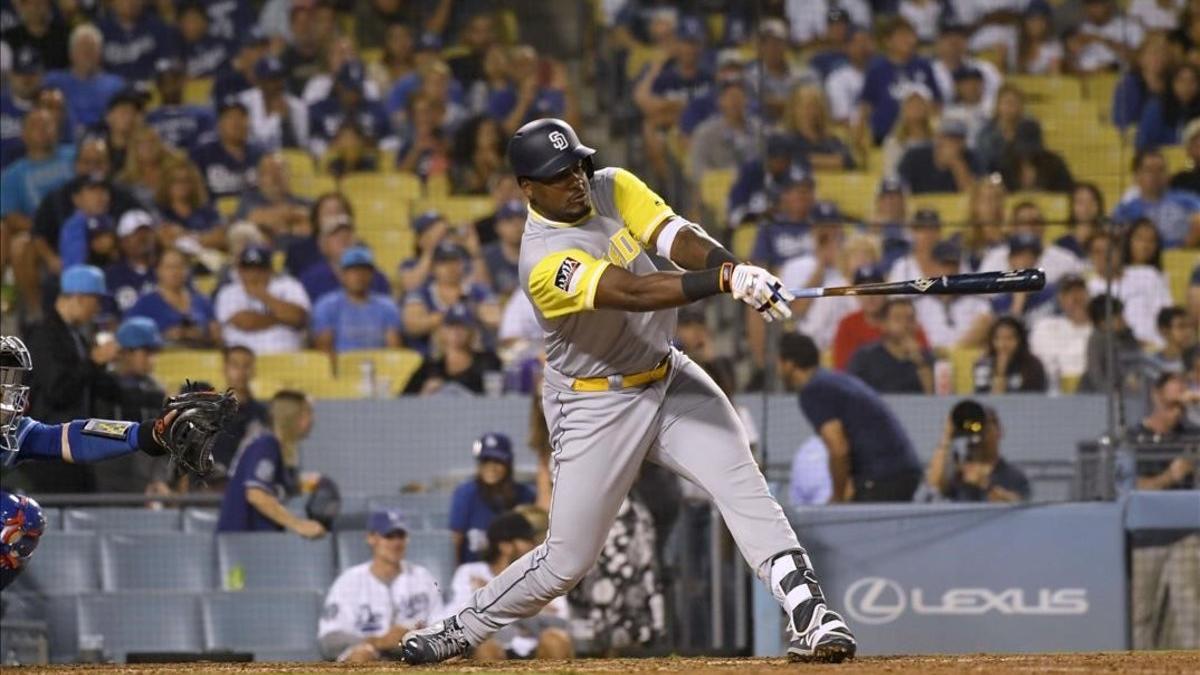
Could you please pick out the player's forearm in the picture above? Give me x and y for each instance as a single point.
(659, 290)
(333, 644)
(287, 313)
(80, 441)
(693, 251)
(270, 507)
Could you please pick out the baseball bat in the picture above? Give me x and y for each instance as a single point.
(1015, 281)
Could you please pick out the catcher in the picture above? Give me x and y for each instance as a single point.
(185, 429)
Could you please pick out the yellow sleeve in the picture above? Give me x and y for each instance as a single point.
(565, 282)
(640, 208)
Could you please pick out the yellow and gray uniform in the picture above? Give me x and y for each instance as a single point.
(601, 427)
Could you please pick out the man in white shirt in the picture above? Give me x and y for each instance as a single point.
(277, 119)
(845, 83)
(260, 310)
(1060, 341)
(371, 606)
(1054, 260)
(542, 636)
(952, 320)
(951, 52)
(809, 19)
(1142, 288)
(1106, 38)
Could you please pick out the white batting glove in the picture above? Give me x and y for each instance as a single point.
(761, 290)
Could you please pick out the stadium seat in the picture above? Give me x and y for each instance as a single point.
(434, 550)
(743, 240)
(176, 365)
(962, 364)
(714, 194)
(351, 549)
(299, 163)
(200, 521)
(1178, 265)
(852, 191)
(1055, 206)
(312, 187)
(457, 210)
(198, 91)
(142, 622)
(362, 188)
(58, 612)
(396, 365)
(157, 562)
(273, 561)
(65, 563)
(121, 519)
(1040, 88)
(424, 510)
(1177, 158)
(295, 370)
(54, 518)
(385, 229)
(227, 206)
(273, 625)
(953, 207)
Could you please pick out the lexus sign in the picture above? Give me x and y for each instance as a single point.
(876, 600)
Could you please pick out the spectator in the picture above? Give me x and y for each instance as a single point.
(545, 635)
(1035, 169)
(327, 213)
(808, 124)
(1175, 213)
(1142, 289)
(833, 37)
(968, 106)
(1165, 115)
(774, 71)
(832, 262)
(1165, 424)
(349, 102)
(844, 85)
(986, 221)
(179, 124)
(870, 456)
(539, 90)
(1147, 79)
(425, 150)
(1038, 50)
(749, 197)
(202, 54)
(502, 255)
(1087, 210)
(86, 86)
(478, 501)
(1157, 15)
(355, 317)
(1027, 227)
(1008, 366)
(810, 483)
(273, 206)
(122, 117)
(448, 288)
(1188, 180)
(228, 161)
(977, 473)
(1010, 131)
(45, 166)
(181, 313)
(72, 372)
(1060, 341)
(888, 220)
(277, 118)
(17, 99)
(260, 310)
(237, 365)
(785, 234)
(864, 326)
(896, 364)
(1178, 333)
(132, 274)
(1106, 38)
(264, 473)
(476, 36)
(310, 28)
(183, 202)
(455, 365)
(952, 320)
(433, 82)
(398, 58)
(86, 236)
(879, 105)
(924, 231)
(134, 39)
(729, 138)
(1108, 326)
(944, 166)
(37, 29)
(237, 75)
(371, 606)
(337, 236)
(146, 163)
(913, 127)
(479, 155)
(952, 64)
(1193, 294)
(502, 188)
(339, 53)
(1141, 244)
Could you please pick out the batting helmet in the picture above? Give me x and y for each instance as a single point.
(21, 526)
(546, 147)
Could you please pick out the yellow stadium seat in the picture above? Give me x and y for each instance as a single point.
(374, 55)
(226, 206)
(391, 246)
(1041, 88)
(953, 207)
(640, 57)
(303, 370)
(962, 364)
(714, 193)
(438, 186)
(198, 91)
(1055, 206)
(362, 187)
(743, 240)
(299, 163)
(174, 366)
(457, 210)
(338, 388)
(1069, 384)
(264, 388)
(852, 191)
(312, 187)
(393, 367)
(1178, 265)
(1177, 158)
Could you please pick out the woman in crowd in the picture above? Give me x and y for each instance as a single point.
(1142, 245)
(1084, 220)
(913, 127)
(183, 315)
(146, 164)
(182, 200)
(811, 131)
(398, 57)
(1008, 130)
(1038, 50)
(478, 155)
(456, 365)
(1008, 366)
(329, 207)
(425, 151)
(478, 500)
(1165, 115)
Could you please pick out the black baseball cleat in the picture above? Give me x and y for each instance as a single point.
(828, 640)
(436, 643)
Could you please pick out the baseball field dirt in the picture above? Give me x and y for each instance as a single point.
(1114, 662)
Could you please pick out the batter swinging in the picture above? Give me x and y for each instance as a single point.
(617, 394)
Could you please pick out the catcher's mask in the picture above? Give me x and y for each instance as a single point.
(15, 361)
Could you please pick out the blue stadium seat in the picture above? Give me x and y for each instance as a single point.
(65, 563)
(142, 622)
(121, 519)
(54, 518)
(434, 550)
(200, 521)
(57, 611)
(157, 562)
(425, 510)
(351, 549)
(270, 560)
(274, 625)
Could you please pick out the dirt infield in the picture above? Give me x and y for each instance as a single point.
(1117, 662)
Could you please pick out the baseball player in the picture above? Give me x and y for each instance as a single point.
(83, 442)
(616, 394)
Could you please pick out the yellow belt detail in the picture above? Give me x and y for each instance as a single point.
(623, 381)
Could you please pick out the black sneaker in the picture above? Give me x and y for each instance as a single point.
(441, 641)
(828, 639)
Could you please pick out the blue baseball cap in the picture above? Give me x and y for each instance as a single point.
(778, 145)
(869, 274)
(448, 250)
(99, 224)
(825, 212)
(1025, 242)
(83, 280)
(947, 251)
(387, 521)
(254, 37)
(426, 219)
(168, 65)
(691, 29)
(458, 315)
(358, 256)
(926, 218)
(890, 186)
(269, 68)
(27, 61)
(429, 42)
(494, 446)
(967, 72)
(796, 175)
(352, 75)
(513, 208)
(255, 256)
(139, 332)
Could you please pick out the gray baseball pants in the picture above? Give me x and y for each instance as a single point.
(600, 439)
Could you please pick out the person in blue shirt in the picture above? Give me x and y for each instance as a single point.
(879, 103)
(529, 98)
(229, 162)
(236, 75)
(349, 101)
(201, 53)
(476, 502)
(335, 236)
(180, 124)
(263, 473)
(837, 36)
(25, 439)
(501, 256)
(664, 89)
(45, 166)
(784, 234)
(354, 317)
(134, 40)
(1176, 213)
(1165, 116)
(132, 275)
(16, 100)
(448, 288)
(183, 315)
(77, 240)
(85, 85)
(230, 20)
(871, 458)
(749, 198)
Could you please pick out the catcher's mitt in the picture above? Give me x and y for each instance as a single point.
(189, 435)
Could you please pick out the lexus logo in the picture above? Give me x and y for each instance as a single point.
(875, 600)
(558, 140)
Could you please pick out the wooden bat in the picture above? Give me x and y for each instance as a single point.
(1016, 281)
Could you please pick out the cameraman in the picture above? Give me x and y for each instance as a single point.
(975, 471)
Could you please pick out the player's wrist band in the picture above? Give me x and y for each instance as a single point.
(147, 440)
(718, 256)
(706, 283)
